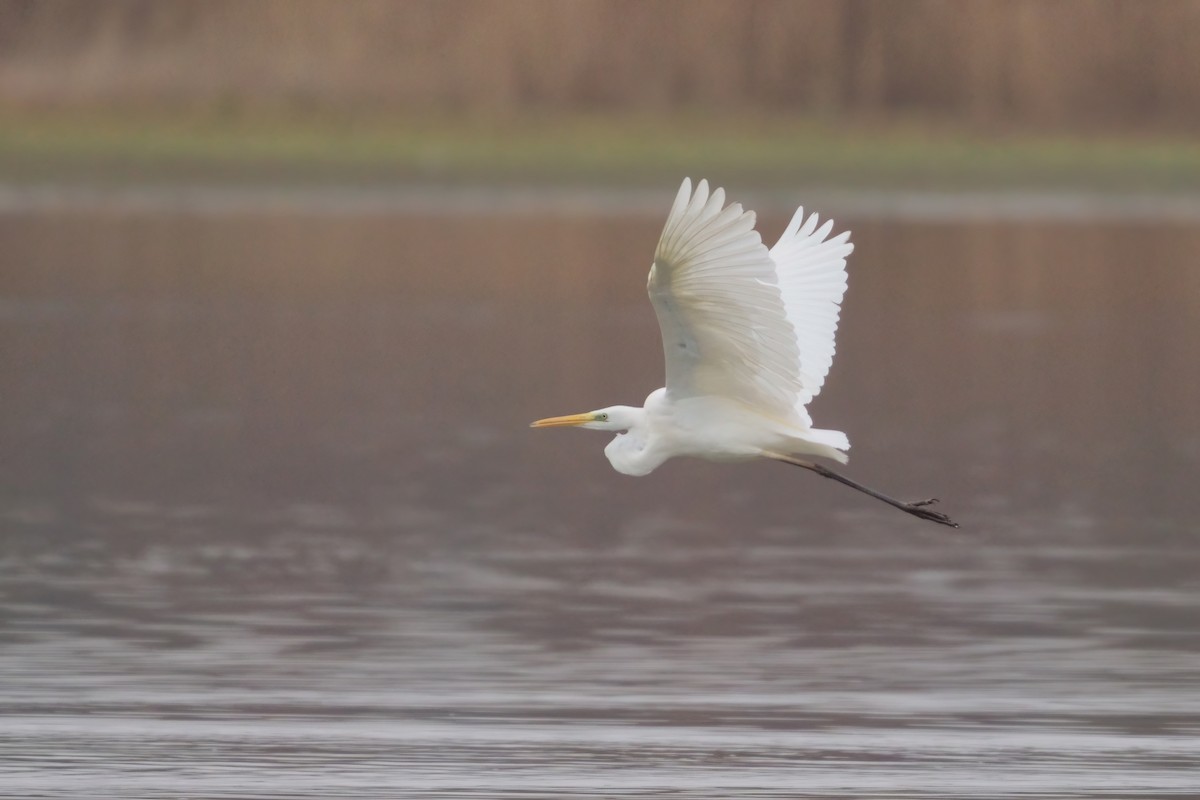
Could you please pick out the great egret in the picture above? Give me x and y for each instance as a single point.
(748, 335)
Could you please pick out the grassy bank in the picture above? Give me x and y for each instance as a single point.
(600, 150)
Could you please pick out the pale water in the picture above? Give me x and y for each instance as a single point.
(274, 525)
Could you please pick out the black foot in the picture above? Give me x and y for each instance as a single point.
(920, 509)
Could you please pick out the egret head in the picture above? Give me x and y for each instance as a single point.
(613, 418)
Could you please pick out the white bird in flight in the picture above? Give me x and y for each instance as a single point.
(748, 335)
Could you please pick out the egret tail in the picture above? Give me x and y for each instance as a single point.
(829, 444)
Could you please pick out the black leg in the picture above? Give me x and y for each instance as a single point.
(918, 509)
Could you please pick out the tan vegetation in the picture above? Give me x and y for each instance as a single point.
(1122, 65)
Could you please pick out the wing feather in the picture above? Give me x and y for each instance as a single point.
(812, 281)
(715, 289)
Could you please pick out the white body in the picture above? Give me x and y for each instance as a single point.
(748, 338)
(710, 427)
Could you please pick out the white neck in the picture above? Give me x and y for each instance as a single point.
(633, 452)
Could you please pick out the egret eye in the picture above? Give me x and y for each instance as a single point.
(602, 417)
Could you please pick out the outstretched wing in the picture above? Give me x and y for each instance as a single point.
(724, 325)
(812, 280)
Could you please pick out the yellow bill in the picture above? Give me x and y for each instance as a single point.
(558, 422)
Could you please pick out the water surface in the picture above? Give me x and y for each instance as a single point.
(274, 525)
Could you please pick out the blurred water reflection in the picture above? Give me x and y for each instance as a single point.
(274, 525)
